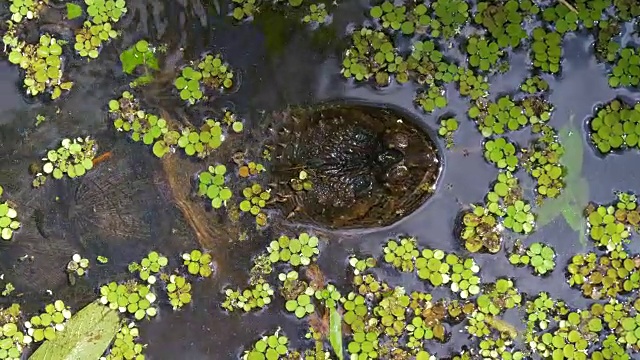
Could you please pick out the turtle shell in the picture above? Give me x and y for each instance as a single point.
(342, 165)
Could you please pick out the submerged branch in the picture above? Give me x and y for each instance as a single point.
(569, 6)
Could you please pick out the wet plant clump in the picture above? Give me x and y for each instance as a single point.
(501, 153)
(269, 347)
(615, 126)
(98, 28)
(542, 161)
(372, 55)
(149, 266)
(431, 99)
(8, 219)
(546, 50)
(130, 297)
(73, 158)
(534, 85)
(452, 15)
(447, 129)
(540, 257)
(317, 14)
(78, 266)
(504, 115)
(12, 339)
(480, 231)
(249, 299)
(45, 325)
(483, 54)
(43, 66)
(198, 263)
(503, 20)
(612, 225)
(295, 251)
(407, 19)
(255, 198)
(126, 345)
(604, 276)
(179, 291)
(211, 184)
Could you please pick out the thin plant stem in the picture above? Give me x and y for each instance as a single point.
(566, 3)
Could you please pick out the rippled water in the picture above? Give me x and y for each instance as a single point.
(281, 63)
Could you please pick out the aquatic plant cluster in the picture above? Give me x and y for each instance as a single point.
(43, 61)
(8, 218)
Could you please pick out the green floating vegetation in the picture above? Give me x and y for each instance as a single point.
(73, 158)
(604, 276)
(198, 263)
(25, 9)
(165, 136)
(47, 324)
(317, 14)
(78, 266)
(372, 55)
(405, 18)
(255, 198)
(540, 257)
(448, 127)
(542, 161)
(481, 230)
(269, 347)
(504, 115)
(8, 219)
(452, 15)
(139, 54)
(211, 185)
(502, 153)
(179, 291)
(295, 251)
(615, 126)
(13, 340)
(43, 66)
(87, 335)
(73, 11)
(611, 225)
(483, 53)
(210, 72)
(504, 19)
(431, 99)
(98, 28)
(534, 85)
(546, 50)
(150, 265)
(301, 305)
(626, 71)
(248, 299)
(244, 9)
(435, 266)
(250, 169)
(125, 345)
(130, 297)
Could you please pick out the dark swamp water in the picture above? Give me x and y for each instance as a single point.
(123, 208)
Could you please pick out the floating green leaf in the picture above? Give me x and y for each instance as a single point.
(86, 336)
(73, 11)
(335, 332)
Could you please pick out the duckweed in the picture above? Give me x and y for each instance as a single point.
(480, 230)
(483, 54)
(539, 256)
(451, 14)
(149, 266)
(502, 153)
(211, 184)
(317, 14)
(45, 325)
(250, 169)
(534, 84)
(542, 161)
(98, 29)
(43, 66)
(198, 263)
(372, 54)
(130, 297)
(504, 20)
(431, 99)
(295, 251)
(610, 225)
(125, 345)
(269, 347)
(8, 219)
(302, 305)
(243, 9)
(546, 50)
(255, 198)
(179, 291)
(12, 339)
(447, 129)
(73, 158)
(78, 266)
(507, 115)
(615, 126)
(626, 71)
(25, 9)
(249, 299)
(407, 19)
(604, 276)
(216, 74)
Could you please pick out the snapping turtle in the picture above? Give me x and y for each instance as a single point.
(360, 165)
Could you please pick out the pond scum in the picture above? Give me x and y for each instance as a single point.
(371, 319)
